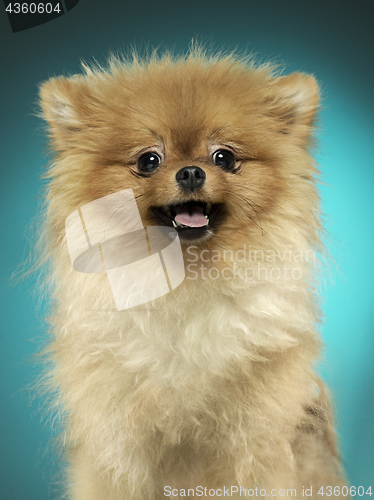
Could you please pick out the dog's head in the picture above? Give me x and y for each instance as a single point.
(212, 147)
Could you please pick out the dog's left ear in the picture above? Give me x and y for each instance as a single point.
(294, 103)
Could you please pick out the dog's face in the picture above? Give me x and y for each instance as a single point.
(210, 149)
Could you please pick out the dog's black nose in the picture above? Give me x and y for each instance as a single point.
(190, 178)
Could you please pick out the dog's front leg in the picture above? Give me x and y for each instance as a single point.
(89, 481)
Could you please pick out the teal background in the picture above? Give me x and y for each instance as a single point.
(333, 40)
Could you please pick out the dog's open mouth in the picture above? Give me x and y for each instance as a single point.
(193, 219)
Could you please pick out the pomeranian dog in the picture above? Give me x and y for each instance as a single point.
(209, 389)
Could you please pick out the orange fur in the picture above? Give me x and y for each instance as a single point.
(212, 384)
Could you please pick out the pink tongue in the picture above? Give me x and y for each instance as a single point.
(195, 219)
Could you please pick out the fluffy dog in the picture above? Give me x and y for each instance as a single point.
(213, 384)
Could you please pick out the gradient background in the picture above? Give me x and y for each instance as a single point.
(333, 39)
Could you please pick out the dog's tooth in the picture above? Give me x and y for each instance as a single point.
(174, 223)
(207, 219)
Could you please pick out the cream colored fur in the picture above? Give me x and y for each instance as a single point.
(214, 383)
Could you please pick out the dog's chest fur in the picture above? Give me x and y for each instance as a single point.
(185, 383)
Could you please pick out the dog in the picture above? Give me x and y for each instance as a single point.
(209, 389)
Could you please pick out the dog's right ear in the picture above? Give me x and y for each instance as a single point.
(65, 104)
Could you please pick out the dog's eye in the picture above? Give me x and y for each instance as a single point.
(149, 162)
(224, 159)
